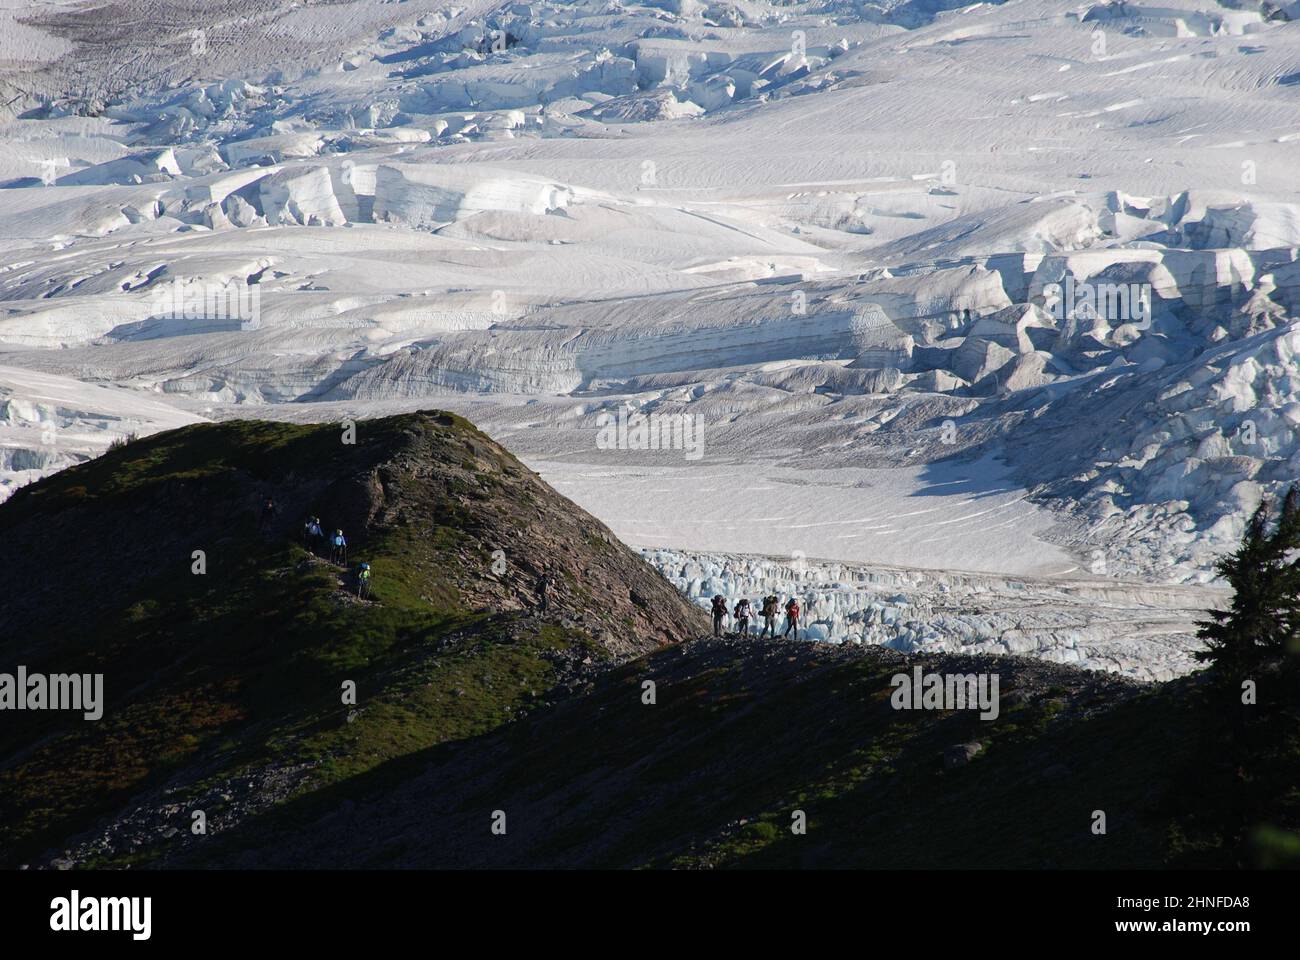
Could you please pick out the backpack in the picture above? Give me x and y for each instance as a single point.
(719, 606)
(769, 606)
(338, 540)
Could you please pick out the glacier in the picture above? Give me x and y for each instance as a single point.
(886, 254)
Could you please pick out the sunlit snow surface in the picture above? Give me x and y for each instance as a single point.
(903, 516)
(830, 233)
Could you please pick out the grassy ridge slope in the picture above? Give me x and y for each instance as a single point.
(224, 693)
(224, 689)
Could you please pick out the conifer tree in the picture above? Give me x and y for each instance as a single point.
(1263, 622)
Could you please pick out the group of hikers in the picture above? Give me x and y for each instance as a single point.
(332, 547)
(743, 612)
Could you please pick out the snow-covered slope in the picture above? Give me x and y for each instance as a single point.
(49, 422)
(1008, 287)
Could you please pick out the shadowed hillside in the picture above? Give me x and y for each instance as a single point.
(599, 738)
(226, 686)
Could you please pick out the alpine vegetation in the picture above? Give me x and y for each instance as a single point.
(504, 638)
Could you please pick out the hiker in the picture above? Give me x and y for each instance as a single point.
(268, 514)
(339, 548)
(742, 617)
(544, 583)
(791, 618)
(363, 581)
(769, 616)
(311, 534)
(719, 612)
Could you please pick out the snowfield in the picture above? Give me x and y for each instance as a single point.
(1005, 288)
(48, 422)
(901, 516)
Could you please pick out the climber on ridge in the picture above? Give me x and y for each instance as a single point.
(741, 613)
(719, 614)
(769, 616)
(791, 618)
(312, 535)
(338, 548)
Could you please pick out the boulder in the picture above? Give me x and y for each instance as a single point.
(960, 754)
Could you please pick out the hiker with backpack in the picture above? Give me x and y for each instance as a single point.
(770, 603)
(791, 618)
(312, 536)
(544, 584)
(363, 581)
(719, 614)
(339, 548)
(742, 617)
